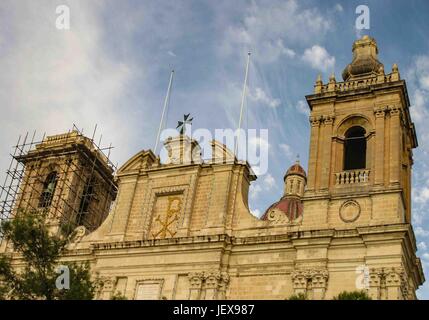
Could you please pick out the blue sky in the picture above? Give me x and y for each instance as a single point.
(112, 68)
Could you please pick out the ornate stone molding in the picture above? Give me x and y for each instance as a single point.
(388, 283)
(209, 285)
(312, 282)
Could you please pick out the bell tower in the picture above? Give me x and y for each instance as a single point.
(67, 177)
(362, 138)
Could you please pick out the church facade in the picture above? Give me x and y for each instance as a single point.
(183, 229)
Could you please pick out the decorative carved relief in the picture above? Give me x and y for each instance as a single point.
(311, 282)
(350, 211)
(208, 285)
(388, 283)
(276, 217)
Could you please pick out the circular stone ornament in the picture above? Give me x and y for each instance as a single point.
(350, 211)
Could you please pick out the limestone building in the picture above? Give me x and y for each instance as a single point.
(183, 229)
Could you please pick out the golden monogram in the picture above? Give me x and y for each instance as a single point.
(174, 207)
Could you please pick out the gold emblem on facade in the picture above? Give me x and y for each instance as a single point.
(173, 210)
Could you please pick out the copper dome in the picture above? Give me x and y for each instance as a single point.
(291, 207)
(296, 169)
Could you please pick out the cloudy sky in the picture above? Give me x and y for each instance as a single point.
(112, 66)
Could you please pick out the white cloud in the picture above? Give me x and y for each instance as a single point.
(269, 181)
(338, 7)
(260, 143)
(422, 246)
(420, 232)
(171, 53)
(269, 29)
(259, 95)
(287, 150)
(318, 58)
(421, 195)
(302, 107)
(425, 256)
(53, 78)
(256, 212)
(255, 190)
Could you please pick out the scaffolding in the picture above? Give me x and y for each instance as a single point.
(68, 176)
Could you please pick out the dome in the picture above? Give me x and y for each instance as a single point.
(291, 207)
(365, 60)
(296, 169)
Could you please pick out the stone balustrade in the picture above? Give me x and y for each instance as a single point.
(357, 176)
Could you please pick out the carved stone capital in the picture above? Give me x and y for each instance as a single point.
(394, 277)
(394, 110)
(212, 279)
(315, 121)
(310, 278)
(299, 279)
(328, 119)
(319, 278)
(196, 280)
(380, 111)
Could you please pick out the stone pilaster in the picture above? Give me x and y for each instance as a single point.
(395, 139)
(319, 282)
(108, 285)
(311, 282)
(375, 283)
(299, 282)
(195, 285)
(223, 285)
(211, 284)
(314, 147)
(378, 173)
(328, 122)
(394, 283)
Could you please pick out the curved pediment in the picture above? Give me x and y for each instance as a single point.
(141, 160)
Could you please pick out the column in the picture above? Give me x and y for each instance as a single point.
(313, 154)
(378, 172)
(394, 157)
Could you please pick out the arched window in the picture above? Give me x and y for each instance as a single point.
(355, 149)
(85, 202)
(48, 191)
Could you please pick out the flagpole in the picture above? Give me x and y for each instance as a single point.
(243, 96)
(166, 102)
